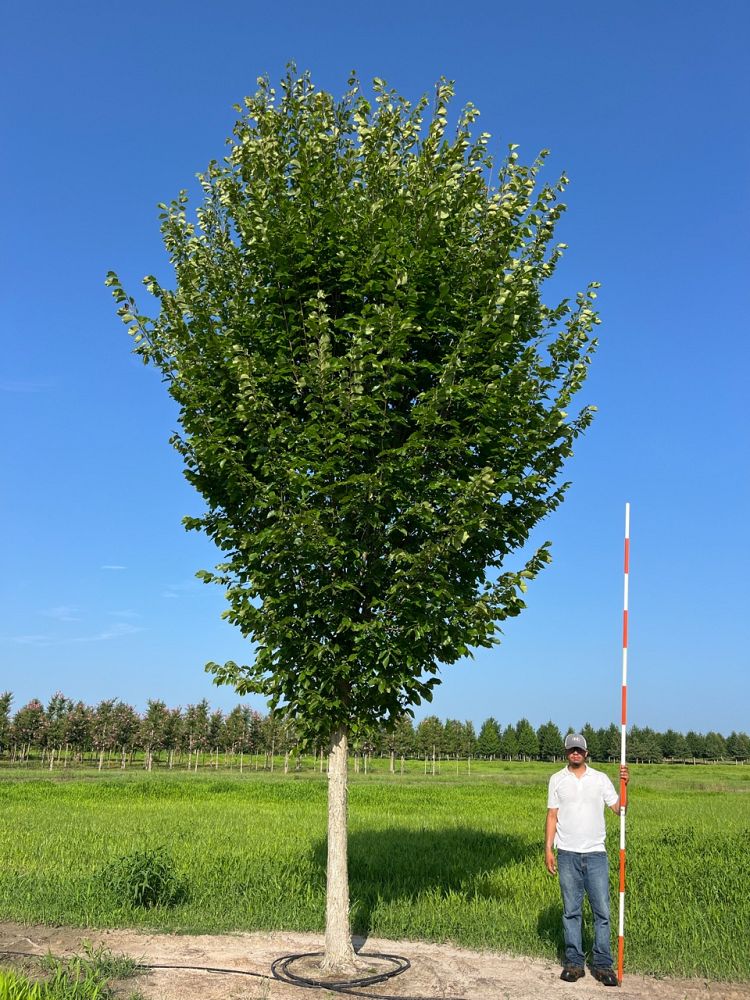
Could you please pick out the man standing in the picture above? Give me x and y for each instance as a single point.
(575, 826)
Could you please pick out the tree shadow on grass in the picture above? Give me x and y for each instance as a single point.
(400, 864)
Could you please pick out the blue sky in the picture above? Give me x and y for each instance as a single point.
(110, 110)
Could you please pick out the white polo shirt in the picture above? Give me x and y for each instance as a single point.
(580, 803)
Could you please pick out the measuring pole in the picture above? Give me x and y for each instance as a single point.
(623, 786)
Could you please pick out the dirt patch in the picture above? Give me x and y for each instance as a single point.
(441, 972)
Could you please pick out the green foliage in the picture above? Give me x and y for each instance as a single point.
(509, 743)
(144, 879)
(592, 742)
(550, 741)
(77, 978)
(16, 987)
(373, 394)
(429, 736)
(116, 727)
(6, 699)
(489, 740)
(528, 744)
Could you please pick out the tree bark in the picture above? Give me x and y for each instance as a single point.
(339, 953)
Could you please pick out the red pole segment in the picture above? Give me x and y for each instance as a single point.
(623, 786)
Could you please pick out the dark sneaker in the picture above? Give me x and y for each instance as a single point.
(572, 973)
(606, 977)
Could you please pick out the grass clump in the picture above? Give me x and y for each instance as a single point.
(144, 879)
(77, 978)
(16, 987)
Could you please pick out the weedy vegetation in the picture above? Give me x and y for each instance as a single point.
(143, 879)
(444, 857)
(88, 977)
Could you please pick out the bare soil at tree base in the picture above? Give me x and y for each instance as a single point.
(437, 970)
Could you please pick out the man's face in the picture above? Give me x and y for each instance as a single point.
(576, 757)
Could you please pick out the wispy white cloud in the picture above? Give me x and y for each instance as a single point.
(26, 385)
(112, 566)
(115, 631)
(175, 590)
(125, 613)
(32, 640)
(62, 613)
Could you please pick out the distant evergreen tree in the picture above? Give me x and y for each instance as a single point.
(528, 745)
(609, 742)
(716, 746)
(738, 746)
(429, 736)
(509, 743)
(452, 736)
(404, 739)
(696, 745)
(468, 740)
(673, 745)
(550, 741)
(644, 745)
(6, 700)
(592, 742)
(488, 741)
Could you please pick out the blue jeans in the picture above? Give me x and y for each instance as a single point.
(589, 872)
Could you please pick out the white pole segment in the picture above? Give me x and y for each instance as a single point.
(623, 745)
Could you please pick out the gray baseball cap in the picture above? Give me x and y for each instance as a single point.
(575, 741)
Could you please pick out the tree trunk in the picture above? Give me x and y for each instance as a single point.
(339, 953)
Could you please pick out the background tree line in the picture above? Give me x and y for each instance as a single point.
(115, 729)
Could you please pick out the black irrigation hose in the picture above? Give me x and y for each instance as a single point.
(351, 987)
(281, 971)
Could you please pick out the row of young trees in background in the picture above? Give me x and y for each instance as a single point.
(113, 727)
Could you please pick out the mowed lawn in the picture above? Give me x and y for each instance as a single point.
(444, 857)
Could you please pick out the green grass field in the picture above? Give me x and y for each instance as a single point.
(441, 857)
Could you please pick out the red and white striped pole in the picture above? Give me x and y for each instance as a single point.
(623, 786)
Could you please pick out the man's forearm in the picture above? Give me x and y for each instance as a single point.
(550, 829)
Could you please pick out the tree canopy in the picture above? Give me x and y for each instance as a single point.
(373, 393)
